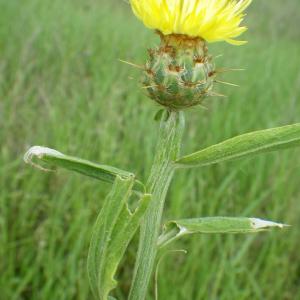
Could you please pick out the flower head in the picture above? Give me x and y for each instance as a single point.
(211, 20)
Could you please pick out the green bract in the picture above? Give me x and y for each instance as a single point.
(179, 74)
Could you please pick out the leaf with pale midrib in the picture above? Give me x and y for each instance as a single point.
(246, 145)
(178, 228)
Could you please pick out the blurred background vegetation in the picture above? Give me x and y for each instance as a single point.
(62, 86)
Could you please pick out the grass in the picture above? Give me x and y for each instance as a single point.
(62, 86)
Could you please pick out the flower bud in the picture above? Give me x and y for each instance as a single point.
(179, 73)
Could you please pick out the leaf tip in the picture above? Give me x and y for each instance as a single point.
(39, 152)
(260, 224)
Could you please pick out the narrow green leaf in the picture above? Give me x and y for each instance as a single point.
(113, 230)
(245, 145)
(48, 159)
(175, 229)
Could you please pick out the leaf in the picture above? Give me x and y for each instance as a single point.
(245, 145)
(113, 230)
(175, 229)
(49, 159)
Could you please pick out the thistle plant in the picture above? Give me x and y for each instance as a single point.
(179, 74)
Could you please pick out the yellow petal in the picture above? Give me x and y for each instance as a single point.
(212, 20)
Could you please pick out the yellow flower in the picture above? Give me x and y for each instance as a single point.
(211, 20)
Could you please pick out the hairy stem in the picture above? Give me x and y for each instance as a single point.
(168, 147)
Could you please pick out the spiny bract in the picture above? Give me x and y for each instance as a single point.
(211, 20)
(179, 74)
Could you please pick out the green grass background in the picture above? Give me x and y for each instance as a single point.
(62, 86)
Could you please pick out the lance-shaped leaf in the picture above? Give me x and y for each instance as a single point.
(176, 229)
(245, 145)
(113, 230)
(48, 159)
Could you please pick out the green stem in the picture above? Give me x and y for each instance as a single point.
(168, 147)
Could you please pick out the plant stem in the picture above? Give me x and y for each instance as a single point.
(168, 147)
